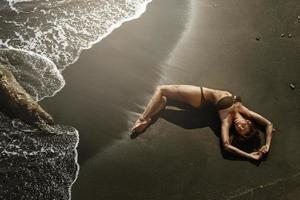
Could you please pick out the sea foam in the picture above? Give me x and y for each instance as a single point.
(35, 165)
(59, 30)
(38, 75)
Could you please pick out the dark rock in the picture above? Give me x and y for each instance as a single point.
(292, 86)
(34, 165)
(17, 103)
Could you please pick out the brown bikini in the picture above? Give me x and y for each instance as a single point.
(223, 103)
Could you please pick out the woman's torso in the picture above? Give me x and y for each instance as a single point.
(221, 100)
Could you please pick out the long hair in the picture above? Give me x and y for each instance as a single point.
(249, 143)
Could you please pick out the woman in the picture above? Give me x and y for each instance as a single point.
(230, 109)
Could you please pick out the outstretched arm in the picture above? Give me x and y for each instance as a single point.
(263, 121)
(228, 147)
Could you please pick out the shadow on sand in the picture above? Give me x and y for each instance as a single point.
(188, 117)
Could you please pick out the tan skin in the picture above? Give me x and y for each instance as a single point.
(241, 116)
(238, 115)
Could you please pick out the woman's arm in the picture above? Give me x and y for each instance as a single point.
(263, 121)
(228, 147)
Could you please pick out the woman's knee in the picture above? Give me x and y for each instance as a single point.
(162, 89)
(169, 91)
(158, 90)
(165, 89)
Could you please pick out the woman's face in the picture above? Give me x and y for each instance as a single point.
(243, 127)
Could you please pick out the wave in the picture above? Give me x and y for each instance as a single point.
(55, 33)
(13, 2)
(37, 74)
(60, 30)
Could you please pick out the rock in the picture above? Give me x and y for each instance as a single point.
(258, 38)
(292, 86)
(282, 35)
(17, 103)
(290, 35)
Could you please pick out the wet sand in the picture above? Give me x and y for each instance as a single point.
(231, 45)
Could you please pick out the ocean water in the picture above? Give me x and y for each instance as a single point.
(58, 30)
(38, 40)
(35, 165)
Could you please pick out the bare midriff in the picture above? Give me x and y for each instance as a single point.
(213, 95)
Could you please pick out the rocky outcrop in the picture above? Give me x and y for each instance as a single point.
(33, 167)
(17, 103)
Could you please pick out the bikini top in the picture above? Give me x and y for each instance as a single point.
(227, 102)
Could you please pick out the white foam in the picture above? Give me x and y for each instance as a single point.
(4, 43)
(20, 143)
(73, 29)
(77, 165)
(13, 2)
(139, 11)
(36, 73)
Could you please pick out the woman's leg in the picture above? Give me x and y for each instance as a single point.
(185, 93)
(155, 105)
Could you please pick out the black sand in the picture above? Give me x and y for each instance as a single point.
(232, 45)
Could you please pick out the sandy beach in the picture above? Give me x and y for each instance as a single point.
(232, 45)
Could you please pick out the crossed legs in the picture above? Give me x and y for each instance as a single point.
(185, 93)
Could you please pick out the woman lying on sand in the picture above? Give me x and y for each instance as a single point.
(229, 107)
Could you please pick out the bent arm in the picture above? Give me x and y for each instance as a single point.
(269, 134)
(229, 147)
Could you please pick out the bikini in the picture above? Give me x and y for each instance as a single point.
(227, 102)
(223, 103)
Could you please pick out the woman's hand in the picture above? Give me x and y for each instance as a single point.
(264, 149)
(257, 155)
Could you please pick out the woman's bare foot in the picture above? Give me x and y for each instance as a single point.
(140, 125)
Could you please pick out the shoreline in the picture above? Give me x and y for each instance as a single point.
(108, 45)
(140, 11)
